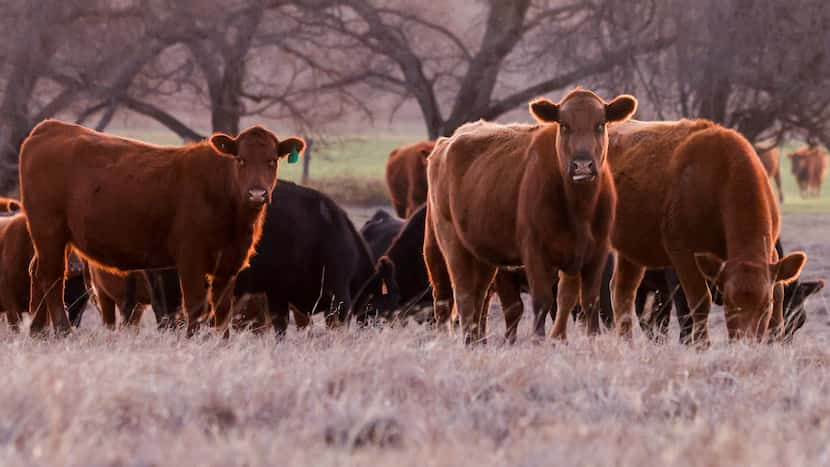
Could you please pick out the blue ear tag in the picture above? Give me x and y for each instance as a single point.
(294, 156)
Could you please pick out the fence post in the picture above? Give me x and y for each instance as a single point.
(306, 161)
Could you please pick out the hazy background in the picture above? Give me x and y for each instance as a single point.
(360, 77)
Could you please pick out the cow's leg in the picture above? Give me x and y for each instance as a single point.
(471, 280)
(470, 283)
(590, 278)
(606, 309)
(194, 284)
(163, 310)
(510, 296)
(279, 315)
(541, 277)
(134, 321)
(107, 305)
(681, 307)
(301, 319)
(626, 280)
(47, 285)
(128, 304)
(221, 297)
(76, 296)
(567, 298)
(697, 295)
(439, 276)
(661, 310)
(37, 306)
(645, 317)
(15, 305)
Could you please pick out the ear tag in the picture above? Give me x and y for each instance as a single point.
(383, 289)
(294, 156)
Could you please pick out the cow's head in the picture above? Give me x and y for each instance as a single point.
(257, 152)
(747, 289)
(380, 295)
(583, 118)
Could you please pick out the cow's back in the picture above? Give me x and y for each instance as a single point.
(686, 176)
(479, 171)
(113, 195)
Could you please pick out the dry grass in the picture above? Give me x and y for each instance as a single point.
(410, 396)
(406, 396)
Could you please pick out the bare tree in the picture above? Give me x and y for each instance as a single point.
(421, 54)
(759, 66)
(55, 60)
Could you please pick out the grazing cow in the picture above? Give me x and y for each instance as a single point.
(538, 196)
(400, 273)
(667, 291)
(127, 205)
(809, 165)
(130, 293)
(694, 196)
(406, 177)
(310, 258)
(379, 231)
(16, 254)
(771, 159)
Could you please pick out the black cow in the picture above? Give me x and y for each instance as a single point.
(310, 257)
(400, 276)
(379, 231)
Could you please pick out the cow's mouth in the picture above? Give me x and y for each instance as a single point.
(586, 176)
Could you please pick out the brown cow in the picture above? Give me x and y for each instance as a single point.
(538, 196)
(694, 196)
(127, 205)
(406, 177)
(16, 254)
(111, 290)
(809, 166)
(770, 159)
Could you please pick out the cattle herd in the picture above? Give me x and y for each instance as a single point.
(588, 211)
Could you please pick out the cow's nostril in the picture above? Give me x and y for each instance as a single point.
(257, 195)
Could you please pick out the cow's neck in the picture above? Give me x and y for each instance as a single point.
(247, 227)
(581, 202)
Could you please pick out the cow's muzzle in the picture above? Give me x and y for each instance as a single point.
(582, 170)
(258, 196)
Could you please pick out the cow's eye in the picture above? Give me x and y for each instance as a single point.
(272, 163)
(241, 162)
(600, 127)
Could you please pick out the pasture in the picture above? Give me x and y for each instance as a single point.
(410, 396)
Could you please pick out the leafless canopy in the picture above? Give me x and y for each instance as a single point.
(760, 66)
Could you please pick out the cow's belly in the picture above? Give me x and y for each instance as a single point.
(126, 241)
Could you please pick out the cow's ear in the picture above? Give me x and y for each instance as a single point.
(427, 150)
(224, 144)
(621, 108)
(788, 269)
(290, 145)
(710, 266)
(544, 110)
(811, 287)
